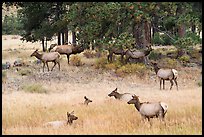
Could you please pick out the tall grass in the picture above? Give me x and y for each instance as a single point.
(105, 117)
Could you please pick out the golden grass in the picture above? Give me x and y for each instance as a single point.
(25, 113)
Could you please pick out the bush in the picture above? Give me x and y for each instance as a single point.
(168, 63)
(157, 39)
(101, 63)
(185, 59)
(76, 61)
(155, 55)
(114, 65)
(200, 83)
(34, 88)
(138, 68)
(89, 54)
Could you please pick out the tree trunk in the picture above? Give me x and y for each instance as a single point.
(73, 37)
(193, 28)
(138, 34)
(147, 32)
(59, 38)
(181, 30)
(46, 44)
(43, 45)
(63, 42)
(66, 36)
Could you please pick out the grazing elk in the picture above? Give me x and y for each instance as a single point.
(67, 49)
(125, 96)
(165, 74)
(87, 100)
(138, 54)
(47, 57)
(149, 109)
(56, 124)
(117, 52)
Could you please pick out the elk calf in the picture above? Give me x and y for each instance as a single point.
(87, 100)
(125, 96)
(56, 124)
(47, 57)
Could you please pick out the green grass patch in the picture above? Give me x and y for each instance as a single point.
(4, 76)
(24, 72)
(34, 88)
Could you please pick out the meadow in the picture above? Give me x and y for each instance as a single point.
(59, 92)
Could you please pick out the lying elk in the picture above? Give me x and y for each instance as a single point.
(87, 100)
(149, 109)
(117, 52)
(56, 124)
(125, 96)
(66, 49)
(165, 74)
(47, 57)
(138, 54)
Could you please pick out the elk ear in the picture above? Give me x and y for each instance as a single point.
(85, 97)
(71, 112)
(116, 89)
(68, 114)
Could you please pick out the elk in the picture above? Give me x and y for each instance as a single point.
(47, 57)
(56, 124)
(165, 74)
(87, 100)
(149, 109)
(66, 49)
(138, 54)
(125, 96)
(117, 52)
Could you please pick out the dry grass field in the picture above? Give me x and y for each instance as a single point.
(24, 112)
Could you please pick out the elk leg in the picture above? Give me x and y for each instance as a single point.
(68, 58)
(58, 65)
(176, 83)
(53, 66)
(47, 66)
(43, 66)
(163, 84)
(172, 83)
(108, 57)
(121, 58)
(160, 83)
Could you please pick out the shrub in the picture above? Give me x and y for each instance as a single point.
(89, 54)
(101, 63)
(155, 55)
(138, 68)
(157, 39)
(184, 59)
(200, 83)
(168, 63)
(34, 88)
(114, 65)
(76, 61)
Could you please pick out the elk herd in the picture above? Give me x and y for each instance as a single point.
(146, 109)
